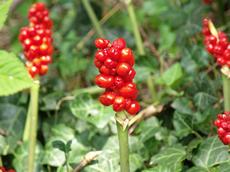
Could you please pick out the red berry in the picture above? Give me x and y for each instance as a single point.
(101, 43)
(43, 70)
(109, 63)
(128, 92)
(119, 104)
(104, 81)
(100, 55)
(123, 69)
(127, 56)
(114, 53)
(105, 70)
(119, 43)
(133, 108)
(107, 98)
(33, 71)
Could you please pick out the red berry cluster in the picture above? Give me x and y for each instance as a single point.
(207, 1)
(115, 62)
(37, 40)
(218, 46)
(223, 124)
(3, 169)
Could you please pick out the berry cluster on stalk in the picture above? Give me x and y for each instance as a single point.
(115, 63)
(207, 1)
(37, 40)
(216, 44)
(223, 124)
(3, 169)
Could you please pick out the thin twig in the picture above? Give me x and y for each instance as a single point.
(115, 9)
(87, 159)
(144, 114)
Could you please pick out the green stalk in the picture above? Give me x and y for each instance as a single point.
(1, 164)
(93, 17)
(152, 89)
(123, 145)
(26, 133)
(226, 91)
(136, 32)
(33, 126)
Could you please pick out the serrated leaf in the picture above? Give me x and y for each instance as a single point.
(210, 153)
(87, 109)
(170, 157)
(13, 74)
(4, 8)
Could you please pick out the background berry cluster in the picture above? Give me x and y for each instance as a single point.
(3, 169)
(115, 62)
(218, 45)
(223, 124)
(37, 40)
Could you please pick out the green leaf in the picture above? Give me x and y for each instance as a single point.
(12, 120)
(13, 74)
(171, 157)
(3, 145)
(173, 75)
(4, 8)
(87, 109)
(204, 100)
(210, 153)
(58, 144)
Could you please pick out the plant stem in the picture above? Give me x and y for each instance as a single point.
(152, 89)
(123, 145)
(67, 161)
(226, 91)
(26, 133)
(136, 32)
(93, 17)
(33, 125)
(1, 164)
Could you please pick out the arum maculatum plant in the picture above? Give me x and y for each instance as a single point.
(3, 169)
(115, 63)
(218, 46)
(36, 40)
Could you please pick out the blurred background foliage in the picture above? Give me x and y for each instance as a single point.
(175, 73)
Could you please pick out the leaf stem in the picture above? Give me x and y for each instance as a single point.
(33, 125)
(93, 17)
(123, 145)
(136, 32)
(226, 92)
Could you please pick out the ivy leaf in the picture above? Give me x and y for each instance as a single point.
(4, 8)
(170, 157)
(12, 120)
(210, 153)
(203, 100)
(87, 109)
(13, 74)
(58, 144)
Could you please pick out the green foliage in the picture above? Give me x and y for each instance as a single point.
(13, 75)
(4, 8)
(72, 122)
